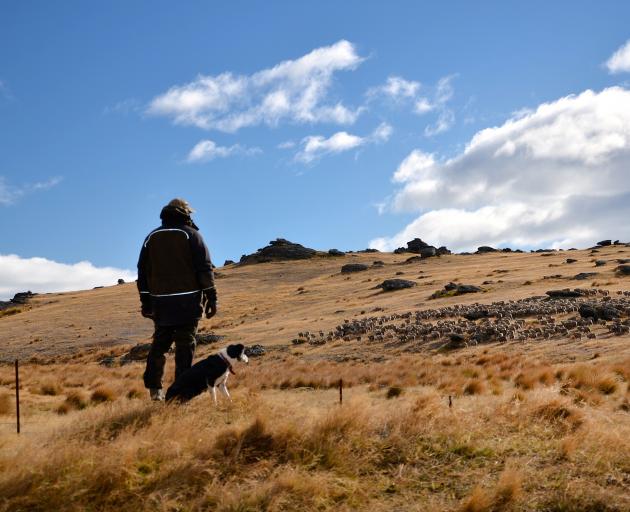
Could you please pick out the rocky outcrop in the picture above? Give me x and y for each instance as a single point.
(604, 243)
(228, 262)
(336, 252)
(137, 353)
(279, 250)
(390, 285)
(19, 299)
(418, 246)
(484, 249)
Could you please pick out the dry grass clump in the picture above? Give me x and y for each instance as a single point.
(560, 414)
(474, 387)
(103, 394)
(50, 387)
(394, 392)
(75, 401)
(504, 496)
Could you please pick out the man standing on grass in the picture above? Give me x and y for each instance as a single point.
(176, 283)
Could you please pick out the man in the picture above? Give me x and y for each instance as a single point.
(175, 282)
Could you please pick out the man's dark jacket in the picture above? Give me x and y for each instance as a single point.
(175, 271)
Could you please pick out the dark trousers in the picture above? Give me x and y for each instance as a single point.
(163, 338)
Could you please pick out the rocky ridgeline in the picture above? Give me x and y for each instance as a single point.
(19, 299)
(583, 313)
(278, 250)
(417, 246)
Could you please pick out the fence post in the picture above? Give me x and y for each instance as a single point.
(340, 391)
(17, 395)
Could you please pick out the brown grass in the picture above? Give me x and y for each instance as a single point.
(103, 394)
(6, 404)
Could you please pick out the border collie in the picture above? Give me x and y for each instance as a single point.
(209, 374)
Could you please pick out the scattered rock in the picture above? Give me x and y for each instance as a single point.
(368, 250)
(353, 267)
(623, 261)
(378, 263)
(121, 281)
(207, 338)
(255, 351)
(336, 252)
(584, 275)
(279, 250)
(604, 243)
(137, 353)
(390, 285)
(413, 259)
(455, 341)
(571, 260)
(427, 252)
(228, 262)
(485, 249)
(600, 263)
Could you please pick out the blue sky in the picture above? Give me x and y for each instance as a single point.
(358, 139)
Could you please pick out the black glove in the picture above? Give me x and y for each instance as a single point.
(210, 302)
(146, 305)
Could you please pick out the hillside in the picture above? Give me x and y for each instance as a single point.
(539, 399)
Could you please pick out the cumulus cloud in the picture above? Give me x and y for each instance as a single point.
(11, 194)
(556, 176)
(316, 146)
(42, 275)
(207, 150)
(293, 90)
(619, 62)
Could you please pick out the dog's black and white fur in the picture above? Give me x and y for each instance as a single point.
(209, 374)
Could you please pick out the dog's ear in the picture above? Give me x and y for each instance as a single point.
(235, 351)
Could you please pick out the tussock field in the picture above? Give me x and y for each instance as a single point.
(523, 424)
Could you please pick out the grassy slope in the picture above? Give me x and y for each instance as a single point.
(537, 425)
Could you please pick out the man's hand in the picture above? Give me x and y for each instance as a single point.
(210, 302)
(146, 308)
(211, 309)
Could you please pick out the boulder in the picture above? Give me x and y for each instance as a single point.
(400, 250)
(623, 261)
(600, 263)
(121, 281)
(228, 262)
(378, 263)
(427, 252)
(279, 250)
(390, 285)
(416, 244)
(336, 252)
(442, 251)
(207, 338)
(623, 270)
(413, 259)
(456, 341)
(255, 351)
(571, 260)
(353, 267)
(108, 361)
(604, 243)
(485, 249)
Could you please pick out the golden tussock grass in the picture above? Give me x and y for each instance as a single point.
(6, 404)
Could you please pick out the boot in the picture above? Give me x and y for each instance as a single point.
(156, 394)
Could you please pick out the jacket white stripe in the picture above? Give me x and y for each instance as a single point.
(174, 294)
(165, 229)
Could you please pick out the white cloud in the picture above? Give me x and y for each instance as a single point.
(287, 144)
(294, 91)
(207, 150)
(619, 61)
(395, 88)
(444, 122)
(557, 176)
(422, 106)
(316, 146)
(42, 275)
(11, 194)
